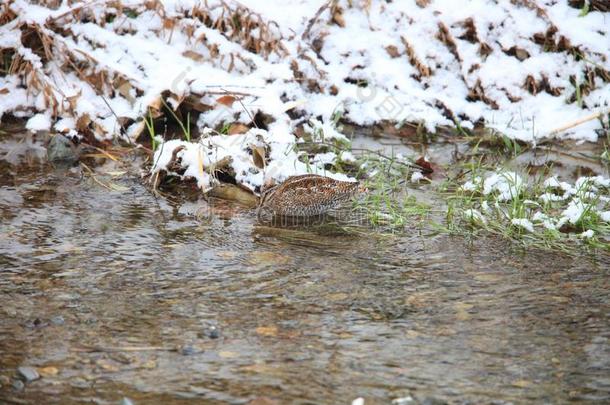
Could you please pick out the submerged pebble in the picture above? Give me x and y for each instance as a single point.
(433, 401)
(18, 385)
(188, 350)
(36, 323)
(212, 332)
(57, 320)
(28, 373)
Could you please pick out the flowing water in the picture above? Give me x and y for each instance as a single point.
(114, 293)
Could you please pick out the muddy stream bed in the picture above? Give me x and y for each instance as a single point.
(115, 294)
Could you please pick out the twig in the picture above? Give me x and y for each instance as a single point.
(94, 178)
(576, 123)
(123, 130)
(314, 19)
(102, 151)
(244, 107)
(70, 11)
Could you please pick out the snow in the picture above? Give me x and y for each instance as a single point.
(580, 203)
(474, 216)
(507, 185)
(283, 160)
(416, 177)
(316, 68)
(546, 221)
(39, 122)
(574, 212)
(523, 223)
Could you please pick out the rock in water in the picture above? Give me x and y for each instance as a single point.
(28, 373)
(60, 149)
(18, 385)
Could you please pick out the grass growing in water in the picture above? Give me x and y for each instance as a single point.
(529, 209)
(150, 126)
(387, 204)
(186, 129)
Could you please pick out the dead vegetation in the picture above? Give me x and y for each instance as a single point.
(49, 51)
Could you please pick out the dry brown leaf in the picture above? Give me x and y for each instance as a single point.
(82, 123)
(72, 100)
(267, 330)
(392, 51)
(124, 88)
(226, 100)
(232, 192)
(4, 91)
(169, 23)
(225, 354)
(258, 155)
(425, 165)
(155, 107)
(338, 17)
(48, 371)
(197, 57)
(238, 128)
(194, 103)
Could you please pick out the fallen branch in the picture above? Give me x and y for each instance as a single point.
(576, 123)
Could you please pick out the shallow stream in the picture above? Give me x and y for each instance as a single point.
(117, 293)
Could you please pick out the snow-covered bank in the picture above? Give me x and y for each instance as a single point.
(252, 159)
(524, 68)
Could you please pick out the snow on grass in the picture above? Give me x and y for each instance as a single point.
(544, 208)
(523, 223)
(474, 216)
(517, 66)
(505, 185)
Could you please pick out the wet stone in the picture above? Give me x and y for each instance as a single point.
(188, 350)
(61, 150)
(18, 385)
(406, 400)
(79, 383)
(212, 332)
(29, 374)
(36, 323)
(57, 320)
(433, 401)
